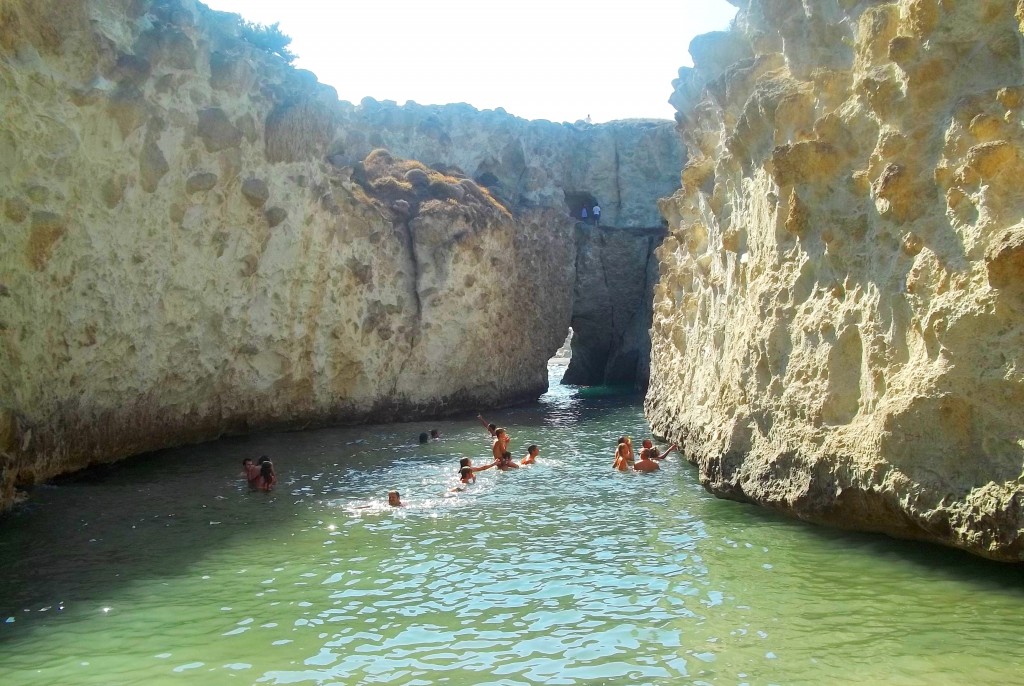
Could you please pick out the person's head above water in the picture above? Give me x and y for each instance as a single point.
(465, 462)
(264, 458)
(647, 443)
(435, 434)
(492, 427)
(424, 437)
(394, 499)
(466, 474)
(247, 461)
(533, 450)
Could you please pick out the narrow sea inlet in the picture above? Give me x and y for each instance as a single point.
(165, 569)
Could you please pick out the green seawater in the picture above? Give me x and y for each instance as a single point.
(165, 570)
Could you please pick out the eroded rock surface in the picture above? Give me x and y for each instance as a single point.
(839, 325)
(182, 256)
(611, 318)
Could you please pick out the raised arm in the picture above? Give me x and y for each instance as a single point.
(662, 456)
(487, 426)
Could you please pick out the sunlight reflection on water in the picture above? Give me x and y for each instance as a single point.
(564, 573)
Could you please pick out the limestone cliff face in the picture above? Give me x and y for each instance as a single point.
(179, 257)
(611, 317)
(624, 166)
(839, 325)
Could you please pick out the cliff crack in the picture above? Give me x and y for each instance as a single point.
(618, 182)
(410, 244)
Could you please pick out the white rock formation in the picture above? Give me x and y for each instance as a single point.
(839, 326)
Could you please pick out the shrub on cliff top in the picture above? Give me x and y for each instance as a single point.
(390, 179)
(269, 38)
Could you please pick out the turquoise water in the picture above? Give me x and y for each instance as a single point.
(166, 570)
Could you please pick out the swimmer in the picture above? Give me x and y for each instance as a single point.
(267, 478)
(491, 428)
(435, 435)
(646, 462)
(424, 437)
(531, 455)
(648, 445)
(623, 454)
(506, 462)
(500, 443)
(251, 472)
(394, 499)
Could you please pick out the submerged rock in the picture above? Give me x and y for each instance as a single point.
(838, 329)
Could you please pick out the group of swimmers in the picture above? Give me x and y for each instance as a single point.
(261, 476)
(502, 456)
(649, 456)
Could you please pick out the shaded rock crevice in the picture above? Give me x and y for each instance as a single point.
(611, 312)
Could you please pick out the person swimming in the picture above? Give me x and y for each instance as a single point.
(491, 428)
(506, 462)
(435, 435)
(267, 478)
(623, 454)
(531, 455)
(424, 437)
(394, 499)
(251, 472)
(467, 463)
(500, 443)
(646, 462)
(649, 445)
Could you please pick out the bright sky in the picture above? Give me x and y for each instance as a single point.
(539, 59)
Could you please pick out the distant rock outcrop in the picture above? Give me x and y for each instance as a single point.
(611, 316)
(839, 322)
(199, 239)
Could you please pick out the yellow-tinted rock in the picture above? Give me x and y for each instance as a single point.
(863, 367)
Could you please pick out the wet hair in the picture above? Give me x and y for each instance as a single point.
(264, 459)
(465, 472)
(434, 434)
(397, 497)
(622, 439)
(532, 448)
(464, 462)
(267, 470)
(492, 427)
(500, 430)
(246, 461)
(424, 437)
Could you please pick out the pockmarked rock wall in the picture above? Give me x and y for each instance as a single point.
(624, 166)
(180, 258)
(616, 271)
(839, 324)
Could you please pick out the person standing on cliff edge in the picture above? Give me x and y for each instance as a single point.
(597, 214)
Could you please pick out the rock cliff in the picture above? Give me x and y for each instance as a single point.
(198, 239)
(838, 327)
(611, 316)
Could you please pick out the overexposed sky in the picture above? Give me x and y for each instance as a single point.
(539, 59)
